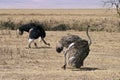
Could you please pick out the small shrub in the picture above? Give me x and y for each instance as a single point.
(8, 24)
(61, 27)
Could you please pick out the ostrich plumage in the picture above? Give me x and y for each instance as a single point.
(35, 31)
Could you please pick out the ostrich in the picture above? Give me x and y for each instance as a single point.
(35, 31)
(77, 49)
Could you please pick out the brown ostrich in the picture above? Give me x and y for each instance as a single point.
(77, 49)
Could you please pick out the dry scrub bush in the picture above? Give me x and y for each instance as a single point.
(108, 25)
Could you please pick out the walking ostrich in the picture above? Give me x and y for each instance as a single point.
(77, 49)
(35, 31)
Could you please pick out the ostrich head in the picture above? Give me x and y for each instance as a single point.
(59, 47)
(20, 31)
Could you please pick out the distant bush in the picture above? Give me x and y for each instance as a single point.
(7, 25)
(61, 27)
(107, 25)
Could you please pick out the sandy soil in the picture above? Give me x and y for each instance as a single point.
(17, 62)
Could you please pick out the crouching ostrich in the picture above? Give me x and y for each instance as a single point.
(35, 31)
(76, 48)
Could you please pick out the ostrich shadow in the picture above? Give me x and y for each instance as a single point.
(85, 69)
(42, 47)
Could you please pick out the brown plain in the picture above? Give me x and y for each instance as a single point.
(17, 62)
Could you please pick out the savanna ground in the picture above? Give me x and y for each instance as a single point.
(17, 62)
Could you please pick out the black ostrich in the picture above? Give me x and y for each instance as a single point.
(35, 31)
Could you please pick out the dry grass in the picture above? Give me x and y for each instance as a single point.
(57, 15)
(100, 19)
(43, 63)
